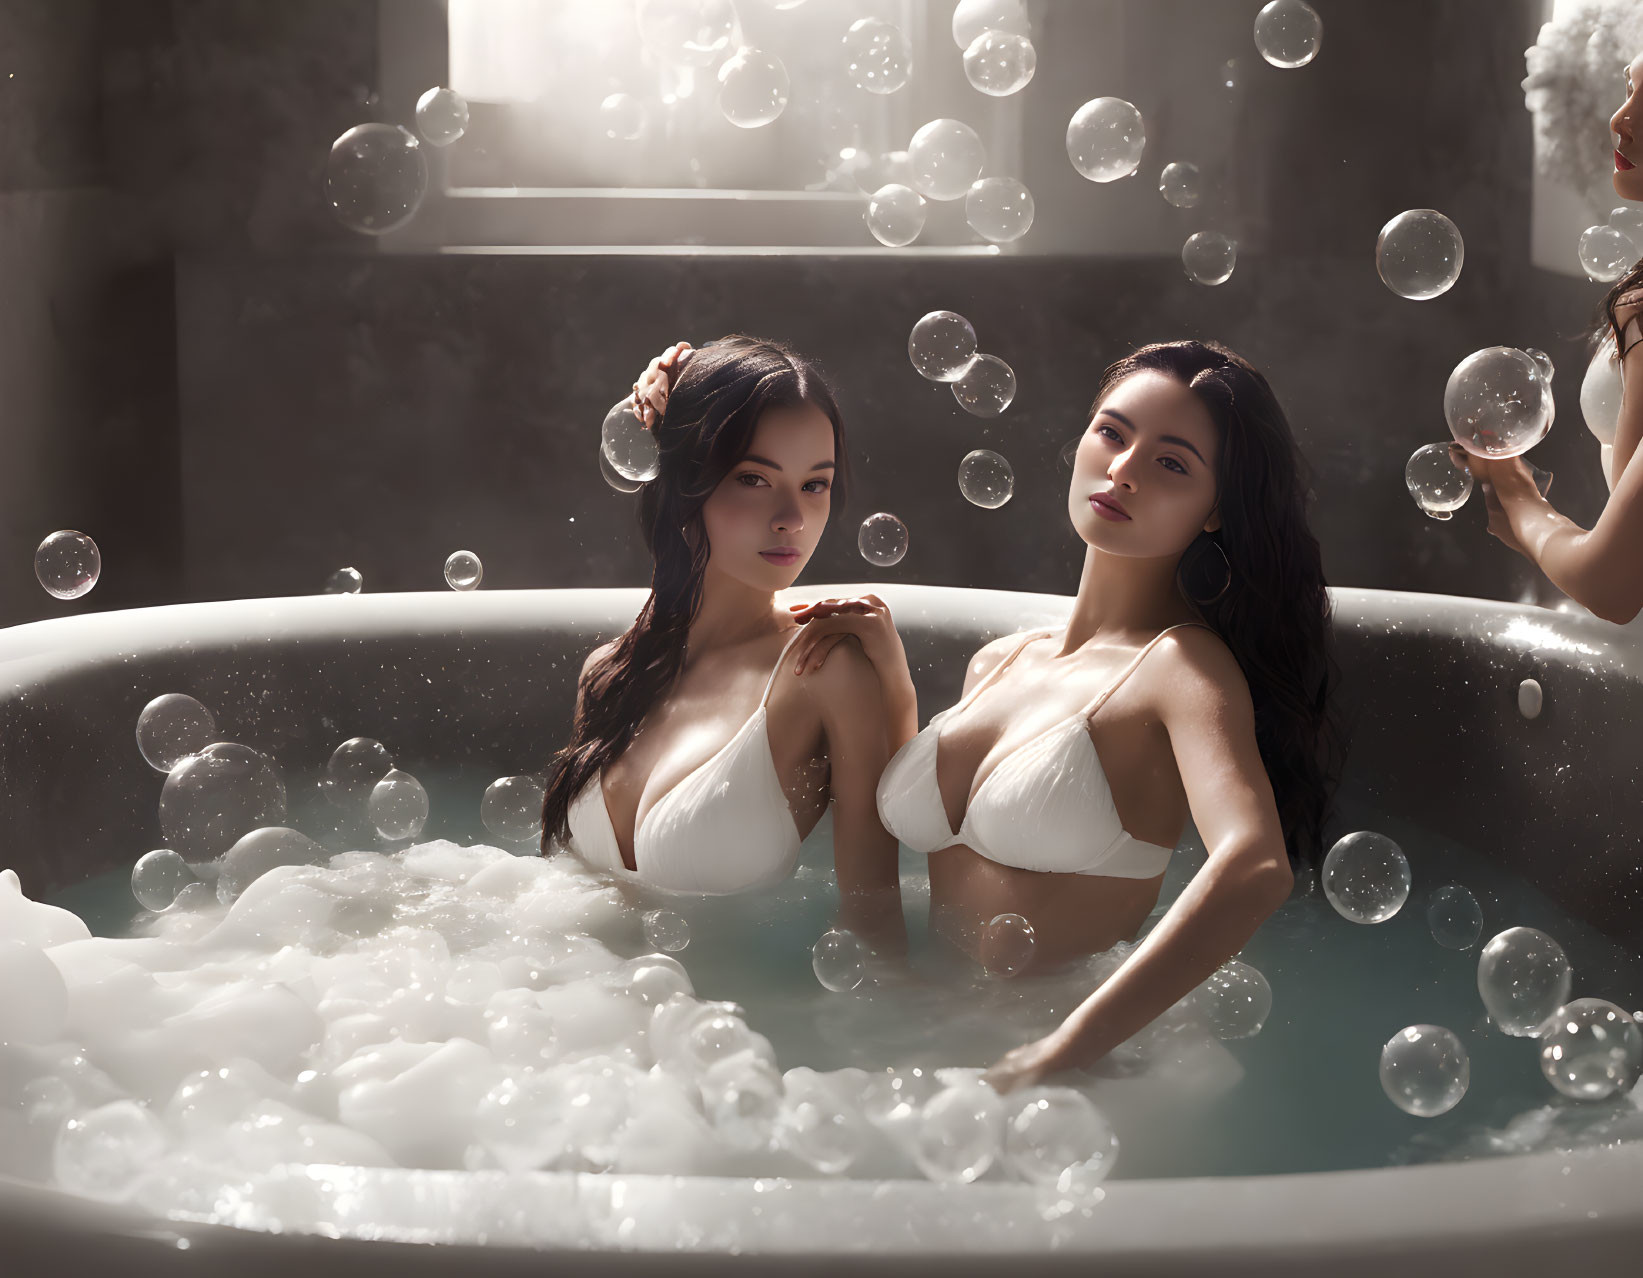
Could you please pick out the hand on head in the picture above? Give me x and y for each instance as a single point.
(650, 392)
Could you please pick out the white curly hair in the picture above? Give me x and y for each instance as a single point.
(1574, 85)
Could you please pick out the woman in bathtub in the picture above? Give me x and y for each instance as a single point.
(697, 761)
(1600, 567)
(1193, 676)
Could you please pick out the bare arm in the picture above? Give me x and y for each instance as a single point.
(1211, 724)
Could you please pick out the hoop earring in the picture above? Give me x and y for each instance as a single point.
(1225, 585)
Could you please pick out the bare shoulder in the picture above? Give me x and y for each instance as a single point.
(845, 680)
(988, 657)
(1194, 668)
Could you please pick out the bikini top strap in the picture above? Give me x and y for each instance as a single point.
(1003, 665)
(1101, 699)
(777, 668)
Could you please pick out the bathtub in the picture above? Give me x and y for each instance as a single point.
(478, 683)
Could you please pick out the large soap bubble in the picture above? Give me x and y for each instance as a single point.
(1000, 63)
(895, 214)
(1523, 977)
(157, 878)
(628, 446)
(1105, 138)
(463, 571)
(973, 18)
(1591, 1049)
(689, 33)
(1237, 999)
(941, 346)
(753, 88)
(1181, 184)
(67, 564)
(441, 116)
(1437, 484)
(1208, 257)
(1365, 876)
(1497, 402)
(960, 1133)
(171, 727)
(623, 116)
(882, 540)
(1454, 917)
(1288, 33)
(353, 770)
(999, 209)
(1057, 1128)
(876, 57)
(512, 808)
(839, 960)
(258, 852)
(1606, 253)
(1419, 254)
(211, 798)
(987, 386)
(1008, 941)
(398, 806)
(375, 178)
(947, 157)
(1425, 1070)
(987, 480)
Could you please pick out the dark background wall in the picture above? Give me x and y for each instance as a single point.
(235, 396)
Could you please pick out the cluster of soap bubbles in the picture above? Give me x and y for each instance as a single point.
(1608, 251)
(1498, 401)
(1439, 485)
(67, 564)
(942, 347)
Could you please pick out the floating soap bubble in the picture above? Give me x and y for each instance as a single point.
(1366, 877)
(1606, 253)
(1530, 698)
(960, 1133)
(999, 209)
(628, 446)
(1523, 977)
(1056, 1128)
(67, 564)
(398, 806)
(512, 808)
(463, 571)
(666, 930)
(1455, 918)
(1105, 138)
(172, 727)
(1209, 257)
(986, 480)
(691, 33)
(839, 960)
(947, 157)
(1237, 1000)
(441, 116)
(1437, 484)
(258, 852)
(344, 581)
(1181, 185)
(213, 797)
(616, 481)
(1000, 63)
(1288, 33)
(895, 215)
(1628, 220)
(753, 88)
(941, 346)
(1590, 1049)
(876, 57)
(1497, 403)
(623, 116)
(107, 1151)
(33, 995)
(1008, 940)
(987, 386)
(817, 1129)
(1419, 254)
(973, 18)
(882, 540)
(375, 178)
(1425, 1070)
(353, 770)
(157, 878)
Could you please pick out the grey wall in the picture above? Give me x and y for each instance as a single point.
(297, 400)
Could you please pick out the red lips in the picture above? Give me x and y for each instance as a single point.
(1622, 163)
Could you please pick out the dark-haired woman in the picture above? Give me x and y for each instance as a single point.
(697, 761)
(1602, 567)
(1193, 676)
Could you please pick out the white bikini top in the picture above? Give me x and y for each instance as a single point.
(725, 828)
(1600, 394)
(1045, 806)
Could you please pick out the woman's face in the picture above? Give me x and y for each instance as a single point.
(1144, 475)
(765, 517)
(1626, 125)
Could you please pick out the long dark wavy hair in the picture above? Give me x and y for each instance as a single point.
(1273, 610)
(1607, 325)
(712, 410)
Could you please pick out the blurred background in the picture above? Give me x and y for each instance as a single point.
(215, 371)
